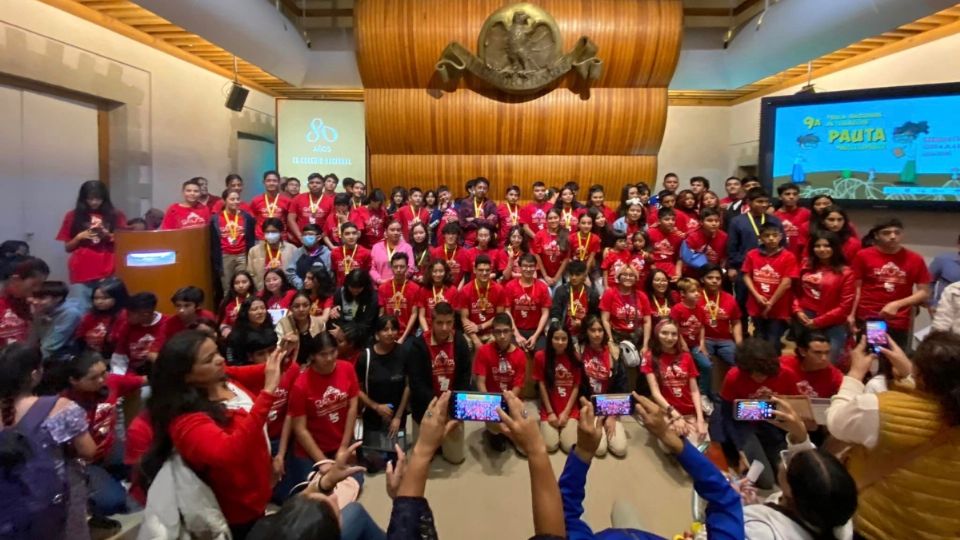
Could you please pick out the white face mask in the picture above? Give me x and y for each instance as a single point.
(309, 241)
(272, 237)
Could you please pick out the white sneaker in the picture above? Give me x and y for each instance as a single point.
(706, 405)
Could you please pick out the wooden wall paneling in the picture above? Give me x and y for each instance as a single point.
(431, 171)
(627, 121)
(399, 41)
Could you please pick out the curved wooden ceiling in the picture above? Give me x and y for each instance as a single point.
(135, 22)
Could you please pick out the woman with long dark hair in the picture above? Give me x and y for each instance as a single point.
(252, 318)
(384, 390)
(357, 301)
(99, 329)
(87, 233)
(195, 415)
(242, 287)
(558, 373)
(823, 296)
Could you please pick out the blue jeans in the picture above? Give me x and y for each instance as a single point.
(771, 330)
(106, 494)
(356, 524)
(725, 349)
(705, 366)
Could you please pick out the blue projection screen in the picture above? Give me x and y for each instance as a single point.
(892, 147)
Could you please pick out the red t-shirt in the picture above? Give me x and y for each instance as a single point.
(613, 262)
(673, 378)
(332, 227)
(443, 365)
(639, 262)
(137, 341)
(714, 248)
(687, 222)
(582, 249)
(503, 371)
(496, 264)
(510, 258)
(345, 259)
(569, 217)
(509, 217)
(665, 248)
(408, 218)
(325, 401)
(598, 368)
(428, 297)
(534, 215)
(767, 272)
(719, 312)
(219, 206)
(274, 301)
(885, 278)
(233, 237)
(660, 306)
(626, 311)
(526, 302)
(92, 259)
(311, 210)
(178, 216)
(372, 224)
(740, 385)
(175, 324)
(566, 378)
(545, 245)
(99, 330)
(481, 307)
(458, 259)
(823, 383)
(229, 312)
(691, 321)
(262, 207)
(792, 222)
(398, 300)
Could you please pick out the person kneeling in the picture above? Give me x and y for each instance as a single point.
(499, 366)
(558, 373)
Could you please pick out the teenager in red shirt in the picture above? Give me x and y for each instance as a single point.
(478, 301)
(569, 208)
(597, 199)
(277, 291)
(584, 244)
(438, 288)
(232, 235)
(707, 239)
(528, 303)
(100, 328)
(659, 295)
(349, 256)
(206, 199)
(665, 241)
(456, 257)
(310, 208)
(87, 234)
(420, 247)
(508, 212)
(323, 405)
(187, 303)
(551, 246)
(242, 287)
(499, 366)
(686, 212)
(398, 297)
(793, 217)
(516, 245)
(141, 338)
(723, 330)
(615, 258)
(691, 320)
(413, 212)
(824, 293)
(558, 373)
(270, 204)
(234, 182)
(189, 213)
(811, 364)
(336, 220)
(225, 446)
(671, 374)
(485, 245)
(533, 216)
(768, 273)
(891, 279)
(625, 312)
(603, 373)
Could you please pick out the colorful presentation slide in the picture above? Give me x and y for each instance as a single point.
(321, 136)
(903, 149)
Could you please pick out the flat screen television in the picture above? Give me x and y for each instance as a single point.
(896, 147)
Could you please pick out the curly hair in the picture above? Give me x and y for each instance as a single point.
(755, 355)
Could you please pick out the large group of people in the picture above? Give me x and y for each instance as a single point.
(344, 316)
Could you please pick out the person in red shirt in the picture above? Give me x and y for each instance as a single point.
(439, 361)
(336, 220)
(232, 235)
(665, 241)
(757, 375)
(99, 329)
(234, 182)
(189, 213)
(225, 445)
(569, 208)
(686, 212)
(206, 199)
(640, 257)
(625, 312)
(478, 302)
(310, 208)
(551, 246)
(485, 245)
(456, 257)
(277, 291)
(242, 287)
(723, 330)
(499, 366)
(734, 190)
(768, 273)
(533, 216)
(633, 220)
(671, 374)
(603, 373)
(187, 302)
(323, 405)
(709, 240)
(508, 212)
(793, 217)
(584, 244)
(890, 279)
(371, 219)
(398, 296)
(528, 301)
(660, 297)
(818, 377)
(141, 338)
(692, 322)
(420, 247)
(558, 374)
(349, 256)
(597, 199)
(269, 204)
(517, 245)
(824, 292)
(615, 259)
(412, 212)
(438, 288)
(87, 234)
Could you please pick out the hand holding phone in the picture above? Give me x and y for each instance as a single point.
(753, 410)
(876, 335)
(476, 406)
(612, 404)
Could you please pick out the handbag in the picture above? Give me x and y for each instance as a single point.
(691, 258)
(358, 425)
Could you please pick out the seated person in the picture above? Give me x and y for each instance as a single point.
(811, 363)
(188, 301)
(55, 319)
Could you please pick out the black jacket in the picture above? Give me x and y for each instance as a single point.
(419, 371)
(249, 236)
(367, 312)
(560, 308)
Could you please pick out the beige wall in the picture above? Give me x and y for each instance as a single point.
(167, 117)
(696, 142)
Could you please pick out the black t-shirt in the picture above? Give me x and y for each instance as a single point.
(386, 382)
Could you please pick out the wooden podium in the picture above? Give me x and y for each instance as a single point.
(163, 261)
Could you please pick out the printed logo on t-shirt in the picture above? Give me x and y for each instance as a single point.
(811, 284)
(373, 225)
(563, 379)
(523, 304)
(767, 278)
(690, 327)
(192, 220)
(12, 327)
(96, 336)
(331, 403)
(597, 372)
(890, 275)
(806, 389)
(140, 348)
(663, 249)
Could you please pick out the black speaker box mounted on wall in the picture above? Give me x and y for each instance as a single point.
(237, 97)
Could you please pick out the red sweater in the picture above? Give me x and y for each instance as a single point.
(827, 293)
(234, 460)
